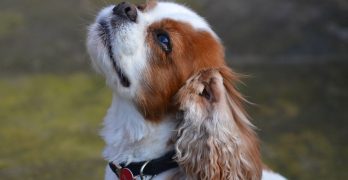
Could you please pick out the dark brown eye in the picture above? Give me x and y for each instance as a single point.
(164, 41)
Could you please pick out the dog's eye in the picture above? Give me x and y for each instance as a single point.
(164, 42)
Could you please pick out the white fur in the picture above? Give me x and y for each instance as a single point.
(129, 46)
(269, 175)
(179, 13)
(128, 136)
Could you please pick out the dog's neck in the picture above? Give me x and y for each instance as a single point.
(131, 138)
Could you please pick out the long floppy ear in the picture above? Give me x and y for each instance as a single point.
(215, 139)
(249, 146)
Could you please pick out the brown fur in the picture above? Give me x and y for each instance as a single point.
(216, 140)
(192, 51)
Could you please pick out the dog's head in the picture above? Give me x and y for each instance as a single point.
(215, 139)
(146, 52)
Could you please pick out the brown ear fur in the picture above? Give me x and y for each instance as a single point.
(250, 143)
(219, 144)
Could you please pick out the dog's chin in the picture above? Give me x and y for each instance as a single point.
(104, 59)
(104, 33)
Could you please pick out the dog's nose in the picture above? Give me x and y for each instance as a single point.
(126, 10)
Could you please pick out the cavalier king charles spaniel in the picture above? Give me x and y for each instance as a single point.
(146, 53)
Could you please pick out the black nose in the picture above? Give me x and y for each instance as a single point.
(126, 10)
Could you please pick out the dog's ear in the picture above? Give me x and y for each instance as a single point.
(252, 167)
(206, 93)
(230, 78)
(212, 90)
(222, 144)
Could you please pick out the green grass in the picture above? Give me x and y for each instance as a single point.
(49, 126)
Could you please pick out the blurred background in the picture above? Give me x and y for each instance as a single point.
(294, 51)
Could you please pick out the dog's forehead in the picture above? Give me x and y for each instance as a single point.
(169, 10)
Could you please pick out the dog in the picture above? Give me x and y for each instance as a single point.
(146, 53)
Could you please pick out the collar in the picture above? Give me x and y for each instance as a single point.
(144, 168)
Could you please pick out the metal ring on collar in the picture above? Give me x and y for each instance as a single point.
(142, 169)
(118, 168)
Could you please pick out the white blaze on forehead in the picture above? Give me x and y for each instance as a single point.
(168, 10)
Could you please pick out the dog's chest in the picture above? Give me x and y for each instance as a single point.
(130, 138)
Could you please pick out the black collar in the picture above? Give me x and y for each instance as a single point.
(150, 168)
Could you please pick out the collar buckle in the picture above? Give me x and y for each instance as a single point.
(142, 170)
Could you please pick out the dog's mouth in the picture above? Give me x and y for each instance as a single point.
(104, 34)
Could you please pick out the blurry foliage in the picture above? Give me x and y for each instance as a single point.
(305, 152)
(280, 27)
(301, 117)
(49, 126)
(10, 22)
